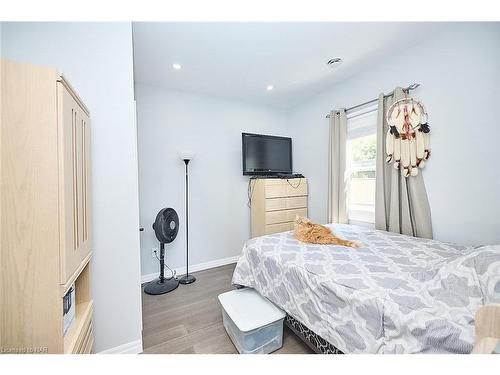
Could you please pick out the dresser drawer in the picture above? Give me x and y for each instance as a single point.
(90, 345)
(284, 181)
(291, 189)
(277, 228)
(81, 330)
(283, 216)
(86, 348)
(83, 336)
(274, 204)
(87, 337)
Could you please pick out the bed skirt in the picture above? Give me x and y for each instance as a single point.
(314, 341)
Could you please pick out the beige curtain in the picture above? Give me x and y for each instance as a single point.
(401, 204)
(337, 207)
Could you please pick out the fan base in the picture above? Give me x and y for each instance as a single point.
(187, 279)
(157, 286)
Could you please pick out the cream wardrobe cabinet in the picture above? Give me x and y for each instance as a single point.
(46, 231)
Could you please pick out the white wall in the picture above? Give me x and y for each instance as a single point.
(169, 121)
(97, 60)
(460, 75)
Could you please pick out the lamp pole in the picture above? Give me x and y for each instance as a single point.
(187, 278)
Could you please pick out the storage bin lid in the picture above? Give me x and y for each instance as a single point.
(249, 310)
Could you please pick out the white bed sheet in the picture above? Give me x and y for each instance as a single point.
(396, 294)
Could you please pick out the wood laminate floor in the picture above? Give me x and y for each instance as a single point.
(189, 320)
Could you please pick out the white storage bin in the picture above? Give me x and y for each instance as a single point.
(252, 322)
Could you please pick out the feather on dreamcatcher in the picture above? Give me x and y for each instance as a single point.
(407, 140)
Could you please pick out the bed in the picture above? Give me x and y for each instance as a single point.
(395, 294)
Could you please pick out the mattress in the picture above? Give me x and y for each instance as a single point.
(395, 294)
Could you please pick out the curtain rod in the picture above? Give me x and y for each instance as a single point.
(413, 86)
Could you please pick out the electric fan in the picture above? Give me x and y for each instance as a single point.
(166, 227)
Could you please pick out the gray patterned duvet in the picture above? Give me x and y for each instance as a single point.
(396, 294)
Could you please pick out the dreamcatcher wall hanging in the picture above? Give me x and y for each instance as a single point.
(407, 140)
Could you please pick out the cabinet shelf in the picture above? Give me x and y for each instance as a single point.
(75, 337)
(81, 329)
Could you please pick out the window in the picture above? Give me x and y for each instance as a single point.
(360, 166)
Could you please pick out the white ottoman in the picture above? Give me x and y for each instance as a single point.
(254, 324)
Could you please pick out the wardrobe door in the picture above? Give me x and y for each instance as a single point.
(85, 212)
(74, 200)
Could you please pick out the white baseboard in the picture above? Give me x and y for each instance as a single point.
(133, 347)
(194, 268)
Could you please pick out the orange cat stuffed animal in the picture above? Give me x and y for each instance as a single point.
(307, 231)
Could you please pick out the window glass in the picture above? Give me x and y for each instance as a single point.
(360, 166)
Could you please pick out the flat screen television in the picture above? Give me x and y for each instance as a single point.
(266, 155)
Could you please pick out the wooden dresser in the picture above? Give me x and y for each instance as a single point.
(275, 202)
(46, 229)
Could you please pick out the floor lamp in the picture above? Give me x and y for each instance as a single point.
(187, 278)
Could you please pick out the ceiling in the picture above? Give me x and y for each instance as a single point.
(239, 60)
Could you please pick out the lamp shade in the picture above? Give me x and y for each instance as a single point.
(186, 155)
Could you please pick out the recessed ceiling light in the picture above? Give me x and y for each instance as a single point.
(177, 66)
(270, 87)
(334, 61)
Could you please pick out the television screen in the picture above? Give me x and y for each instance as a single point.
(266, 155)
